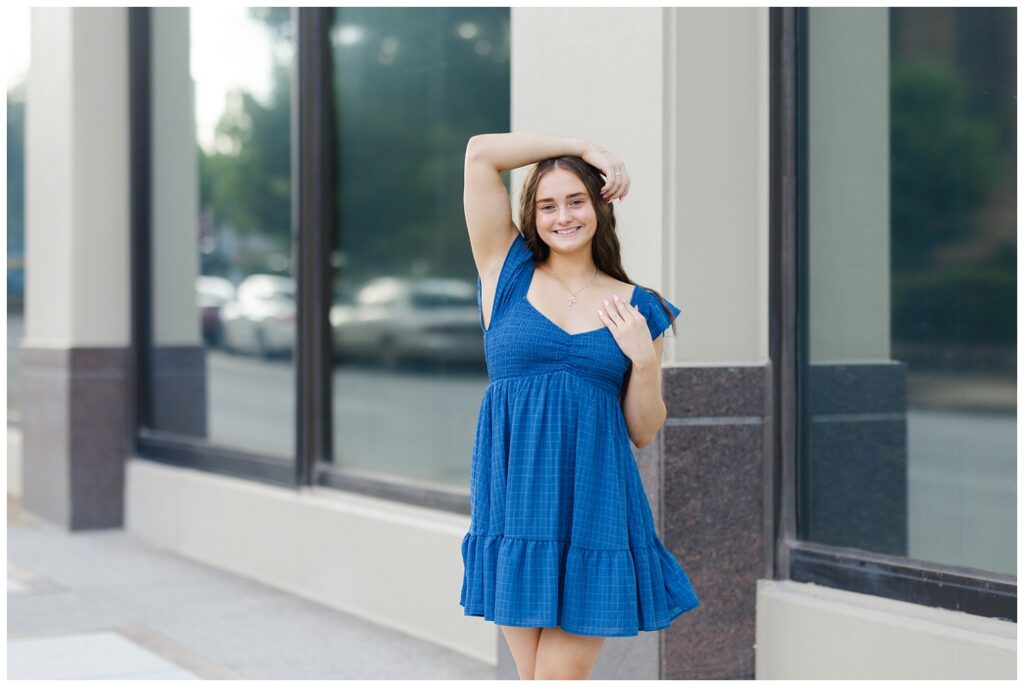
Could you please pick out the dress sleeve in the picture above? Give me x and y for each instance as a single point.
(657, 320)
(518, 255)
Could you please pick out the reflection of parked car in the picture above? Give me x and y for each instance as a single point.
(393, 318)
(211, 294)
(261, 319)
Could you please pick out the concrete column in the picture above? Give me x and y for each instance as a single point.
(716, 242)
(77, 327)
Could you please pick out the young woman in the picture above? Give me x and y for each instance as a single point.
(562, 550)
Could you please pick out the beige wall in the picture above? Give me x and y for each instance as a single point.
(716, 183)
(77, 214)
(809, 632)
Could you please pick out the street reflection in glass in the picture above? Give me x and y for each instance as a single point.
(411, 86)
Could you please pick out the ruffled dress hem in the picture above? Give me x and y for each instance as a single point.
(630, 590)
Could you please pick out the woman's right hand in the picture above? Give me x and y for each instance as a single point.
(616, 178)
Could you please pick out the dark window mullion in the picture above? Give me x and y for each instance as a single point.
(311, 226)
(783, 286)
(139, 132)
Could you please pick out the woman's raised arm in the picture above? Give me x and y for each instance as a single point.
(518, 149)
(484, 198)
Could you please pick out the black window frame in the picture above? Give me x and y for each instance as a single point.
(927, 583)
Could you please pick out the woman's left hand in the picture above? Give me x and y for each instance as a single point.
(629, 328)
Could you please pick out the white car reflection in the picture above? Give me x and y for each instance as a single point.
(261, 319)
(392, 319)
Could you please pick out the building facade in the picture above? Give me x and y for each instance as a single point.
(250, 332)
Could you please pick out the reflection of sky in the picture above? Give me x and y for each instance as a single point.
(228, 50)
(16, 38)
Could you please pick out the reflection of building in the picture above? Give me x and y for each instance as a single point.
(837, 509)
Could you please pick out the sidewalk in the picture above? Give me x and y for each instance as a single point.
(105, 605)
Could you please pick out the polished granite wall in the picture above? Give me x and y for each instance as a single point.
(712, 453)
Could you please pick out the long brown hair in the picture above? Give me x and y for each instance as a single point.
(605, 247)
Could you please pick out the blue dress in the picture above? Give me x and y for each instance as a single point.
(561, 531)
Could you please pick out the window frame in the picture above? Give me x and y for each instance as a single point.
(927, 583)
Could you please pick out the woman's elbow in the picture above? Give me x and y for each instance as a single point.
(473, 145)
(646, 439)
(643, 441)
(640, 444)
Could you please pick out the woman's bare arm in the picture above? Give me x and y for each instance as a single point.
(644, 406)
(485, 201)
(518, 149)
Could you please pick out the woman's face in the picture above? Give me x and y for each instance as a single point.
(564, 203)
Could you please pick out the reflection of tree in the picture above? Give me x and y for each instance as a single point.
(409, 90)
(408, 97)
(246, 182)
(943, 162)
(945, 167)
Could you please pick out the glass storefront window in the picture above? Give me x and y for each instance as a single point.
(223, 290)
(908, 270)
(411, 86)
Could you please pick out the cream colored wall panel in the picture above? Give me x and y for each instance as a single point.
(806, 631)
(718, 184)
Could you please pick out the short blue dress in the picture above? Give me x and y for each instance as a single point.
(561, 532)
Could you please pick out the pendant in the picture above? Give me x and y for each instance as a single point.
(572, 299)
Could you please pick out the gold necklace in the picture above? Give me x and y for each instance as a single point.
(572, 295)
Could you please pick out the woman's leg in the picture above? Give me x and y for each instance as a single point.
(562, 655)
(523, 643)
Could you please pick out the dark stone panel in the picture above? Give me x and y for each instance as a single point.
(713, 491)
(178, 390)
(75, 435)
(713, 525)
(714, 391)
(99, 431)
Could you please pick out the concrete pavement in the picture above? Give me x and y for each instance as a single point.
(105, 605)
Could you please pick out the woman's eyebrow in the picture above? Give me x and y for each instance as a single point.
(571, 195)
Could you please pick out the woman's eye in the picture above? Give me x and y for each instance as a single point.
(549, 206)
